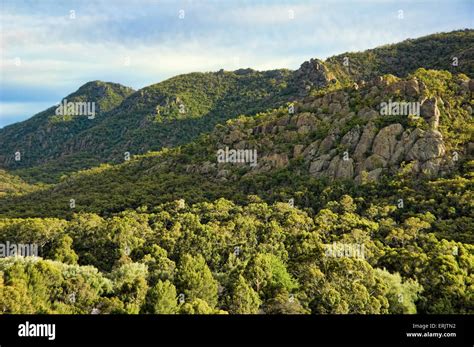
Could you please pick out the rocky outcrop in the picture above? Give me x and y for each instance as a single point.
(403, 146)
(327, 144)
(319, 134)
(386, 140)
(373, 162)
(297, 151)
(340, 168)
(368, 114)
(430, 112)
(429, 146)
(319, 165)
(305, 122)
(351, 138)
(412, 88)
(310, 151)
(311, 74)
(270, 162)
(365, 142)
(371, 152)
(471, 85)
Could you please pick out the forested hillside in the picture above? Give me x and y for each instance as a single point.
(223, 258)
(176, 111)
(44, 136)
(451, 52)
(352, 193)
(165, 114)
(13, 185)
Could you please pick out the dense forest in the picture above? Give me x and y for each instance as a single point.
(347, 210)
(221, 257)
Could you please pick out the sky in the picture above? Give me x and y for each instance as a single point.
(49, 48)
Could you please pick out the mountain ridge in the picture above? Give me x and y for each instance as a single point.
(307, 145)
(157, 123)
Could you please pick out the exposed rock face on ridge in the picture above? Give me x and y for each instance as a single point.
(370, 152)
(430, 112)
(339, 140)
(392, 145)
(365, 141)
(311, 74)
(386, 140)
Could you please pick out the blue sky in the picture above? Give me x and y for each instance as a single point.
(48, 51)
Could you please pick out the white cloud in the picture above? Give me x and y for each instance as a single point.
(263, 15)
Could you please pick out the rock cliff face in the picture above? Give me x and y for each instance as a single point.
(376, 151)
(311, 74)
(344, 135)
